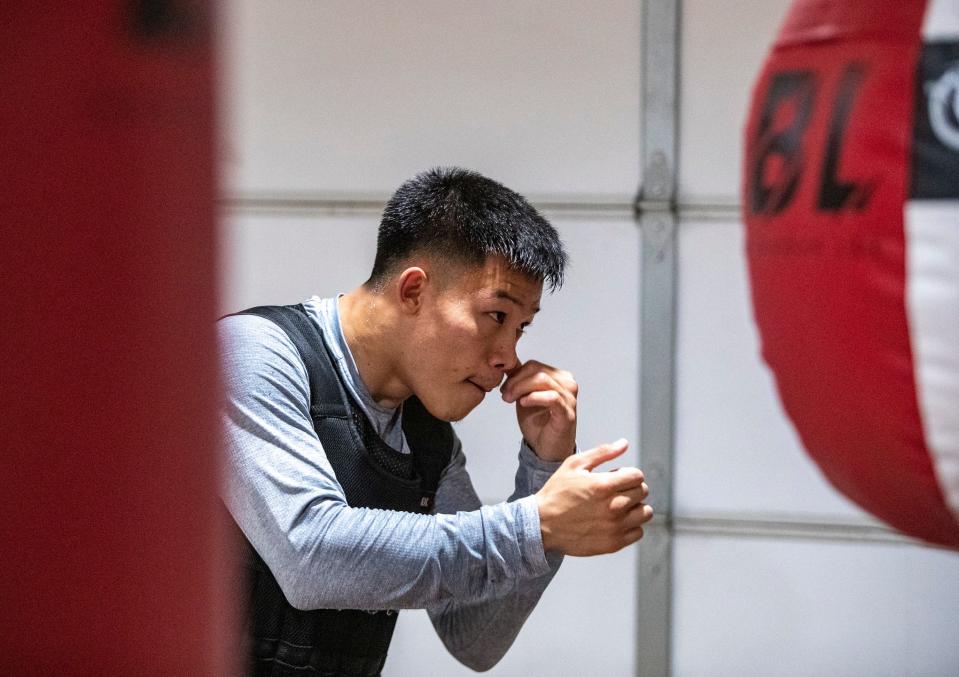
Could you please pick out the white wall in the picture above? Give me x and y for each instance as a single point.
(339, 96)
(345, 100)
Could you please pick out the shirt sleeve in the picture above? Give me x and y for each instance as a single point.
(282, 492)
(479, 632)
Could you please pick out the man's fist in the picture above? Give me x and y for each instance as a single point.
(583, 513)
(545, 400)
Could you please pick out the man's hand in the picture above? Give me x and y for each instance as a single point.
(545, 400)
(583, 513)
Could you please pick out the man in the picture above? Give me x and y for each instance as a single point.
(345, 476)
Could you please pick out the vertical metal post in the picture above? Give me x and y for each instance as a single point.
(656, 214)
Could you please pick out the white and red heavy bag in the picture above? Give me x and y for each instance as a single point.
(851, 203)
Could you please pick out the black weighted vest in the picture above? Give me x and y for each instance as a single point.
(285, 641)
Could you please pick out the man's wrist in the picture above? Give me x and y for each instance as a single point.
(545, 530)
(534, 553)
(548, 458)
(538, 461)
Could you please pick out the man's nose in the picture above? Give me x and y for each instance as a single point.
(505, 358)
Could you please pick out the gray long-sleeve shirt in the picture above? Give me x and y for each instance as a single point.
(478, 570)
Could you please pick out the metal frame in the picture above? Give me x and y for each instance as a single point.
(657, 216)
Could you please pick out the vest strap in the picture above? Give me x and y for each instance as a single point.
(327, 397)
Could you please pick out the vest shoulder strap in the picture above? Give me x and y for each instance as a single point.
(326, 394)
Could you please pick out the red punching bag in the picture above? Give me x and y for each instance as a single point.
(851, 202)
(111, 553)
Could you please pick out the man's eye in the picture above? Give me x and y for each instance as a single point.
(498, 316)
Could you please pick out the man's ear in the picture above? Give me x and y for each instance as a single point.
(412, 285)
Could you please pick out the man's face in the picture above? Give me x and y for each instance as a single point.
(466, 335)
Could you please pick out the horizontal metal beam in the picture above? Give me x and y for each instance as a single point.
(348, 203)
(560, 206)
(754, 525)
(779, 527)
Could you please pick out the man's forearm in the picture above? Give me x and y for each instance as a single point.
(479, 632)
(335, 556)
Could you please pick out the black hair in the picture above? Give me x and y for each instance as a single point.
(461, 215)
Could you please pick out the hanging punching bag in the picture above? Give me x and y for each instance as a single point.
(112, 560)
(851, 203)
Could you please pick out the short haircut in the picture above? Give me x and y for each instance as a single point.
(462, 216)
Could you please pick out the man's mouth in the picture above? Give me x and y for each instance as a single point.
(474, 383)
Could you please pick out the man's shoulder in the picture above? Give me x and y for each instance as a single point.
(249, 328)
(252, 344)
(255, 323)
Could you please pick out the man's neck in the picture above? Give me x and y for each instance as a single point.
(366, 324)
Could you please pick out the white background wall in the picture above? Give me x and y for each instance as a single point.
(345, 100)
